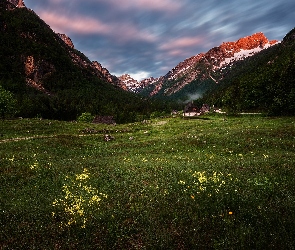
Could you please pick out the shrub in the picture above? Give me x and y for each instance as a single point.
(7, 103)
(85, 117)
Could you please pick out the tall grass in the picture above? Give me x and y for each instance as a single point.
(168, 184)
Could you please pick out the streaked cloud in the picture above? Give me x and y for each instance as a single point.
(84, 25)
(147, 5)
(183, 42)
(150, 37)
(77, 24)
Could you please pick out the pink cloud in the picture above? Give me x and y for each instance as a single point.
(63, 24)
(176, 52)
(160, 5)
(182, 43)
(122, 32)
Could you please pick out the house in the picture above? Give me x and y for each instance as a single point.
(190, 110)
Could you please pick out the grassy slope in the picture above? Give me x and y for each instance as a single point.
(170, 184)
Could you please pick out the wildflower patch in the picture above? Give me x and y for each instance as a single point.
(79, 201)
(203, 182)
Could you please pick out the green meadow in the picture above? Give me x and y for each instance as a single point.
(213, 183)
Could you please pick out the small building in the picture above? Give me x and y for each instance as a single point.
(190, 110)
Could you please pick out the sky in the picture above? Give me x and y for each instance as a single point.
(147, 38)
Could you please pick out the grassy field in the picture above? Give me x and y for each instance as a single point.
(214, 183)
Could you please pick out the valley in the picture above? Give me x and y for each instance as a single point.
(89, 160)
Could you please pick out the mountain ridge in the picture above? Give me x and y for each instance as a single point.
(262, 83)
(50, 78)
(214, 59)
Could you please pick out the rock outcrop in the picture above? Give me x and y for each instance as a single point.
(36, 71)
(105, 74)
(66, 40)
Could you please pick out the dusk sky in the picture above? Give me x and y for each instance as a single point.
(149, 37)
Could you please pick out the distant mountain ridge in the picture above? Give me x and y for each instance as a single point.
(203, 65)
(199, 67)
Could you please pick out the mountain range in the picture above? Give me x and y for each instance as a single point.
(201, 66)
(50, 77)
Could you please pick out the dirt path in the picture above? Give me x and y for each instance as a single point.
(37, 137)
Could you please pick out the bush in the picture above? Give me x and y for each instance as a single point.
(7, 103)
(85, 117)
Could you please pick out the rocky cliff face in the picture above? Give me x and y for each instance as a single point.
(203, 65)
(105, 74)
(83, 62)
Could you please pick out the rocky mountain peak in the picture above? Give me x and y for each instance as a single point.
(130, 83)
(17, 3)
(257, 40)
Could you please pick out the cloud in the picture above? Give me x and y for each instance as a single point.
(147, 5)
(77, 24)
(140, 75)
(181, 47)
(122, 32)
(137, 75)
(181, 43)
(133, 36)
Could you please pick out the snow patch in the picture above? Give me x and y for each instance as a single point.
(243, 54)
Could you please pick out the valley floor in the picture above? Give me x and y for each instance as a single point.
(172, 183)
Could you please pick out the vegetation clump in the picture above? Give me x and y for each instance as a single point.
(85, 117)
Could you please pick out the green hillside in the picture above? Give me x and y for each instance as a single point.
(65, 89)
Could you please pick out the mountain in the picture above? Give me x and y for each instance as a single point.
(50, 78)
(264, 82)
(128, 83)
(203, 67)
